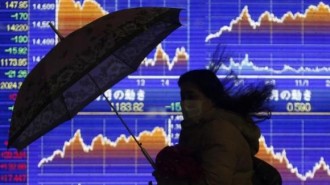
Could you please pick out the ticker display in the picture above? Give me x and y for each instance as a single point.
(283, 43)
(14, 30)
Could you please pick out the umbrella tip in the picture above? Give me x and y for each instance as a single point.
(8, 144)
(56, 31)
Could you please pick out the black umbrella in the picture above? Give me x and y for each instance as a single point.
(83, 65)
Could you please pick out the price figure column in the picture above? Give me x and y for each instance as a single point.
(42, 38)
(14, 29)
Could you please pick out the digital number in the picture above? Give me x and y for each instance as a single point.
(125, 107)
(17, 4)
(11, 108)
(19, 62)
(138, 107)
(17, 27)
(21, 39)
(141, 82)
(175, 107)
(271, 81)
(16, 73)
(13, 166)
(165, 82)
(175, 136)
(17, 50)
(327, 83)
(42, 24)
(13, 178)
(8, 155)
(10, 85)
(45, 6)
(20, 16)
(302, 83)
(128, 106)
(37, 58)
(299, 107)
(46, 41)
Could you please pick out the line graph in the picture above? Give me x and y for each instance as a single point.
(101, 147)
(161, 62)
(301, 54)
(274, 41)
(247, 66)
(102, 155)
(314, 19)
(101, 151)
(72, 15)
(289, 173)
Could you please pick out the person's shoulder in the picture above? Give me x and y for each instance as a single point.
(225, 118)
(221, 126)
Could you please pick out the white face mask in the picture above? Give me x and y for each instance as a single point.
(192, 109)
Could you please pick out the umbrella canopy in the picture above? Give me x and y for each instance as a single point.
(85, 64)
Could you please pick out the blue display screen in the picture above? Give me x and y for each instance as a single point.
(285, 43)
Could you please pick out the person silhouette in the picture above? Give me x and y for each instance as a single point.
(219, 133)
(218, 126)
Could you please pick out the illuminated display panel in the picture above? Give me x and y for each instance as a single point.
(284, 43)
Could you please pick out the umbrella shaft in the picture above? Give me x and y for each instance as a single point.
(144, 151)
(56, 31)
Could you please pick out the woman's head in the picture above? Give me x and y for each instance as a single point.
(206, 83)
(200, 92)
(246, 100)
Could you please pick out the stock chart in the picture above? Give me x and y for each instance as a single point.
(285, 43)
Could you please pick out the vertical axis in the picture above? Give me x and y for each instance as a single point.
(104, 4)
(209, 20)
(239, 22)
(27, 166)
(28, 69)
(271, 35)
(139, 70)
(104, 147)
(271, 63)
(164, 47)
(271, 134)
(28, 33)
(302, 24)
(271, 23)
(188, 31)
(303, 63)
(209, 16)
(42, 153)
(239, 7)
(136, 149)
(56, 18)
(169, 131)
(72, 157)
(302, 38)
(302, 145)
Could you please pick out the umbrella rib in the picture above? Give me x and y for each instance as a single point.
(143, 150)
(123, 61)
(66, 107)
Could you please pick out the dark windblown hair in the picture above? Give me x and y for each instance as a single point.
(249, 101)
(246, 100)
